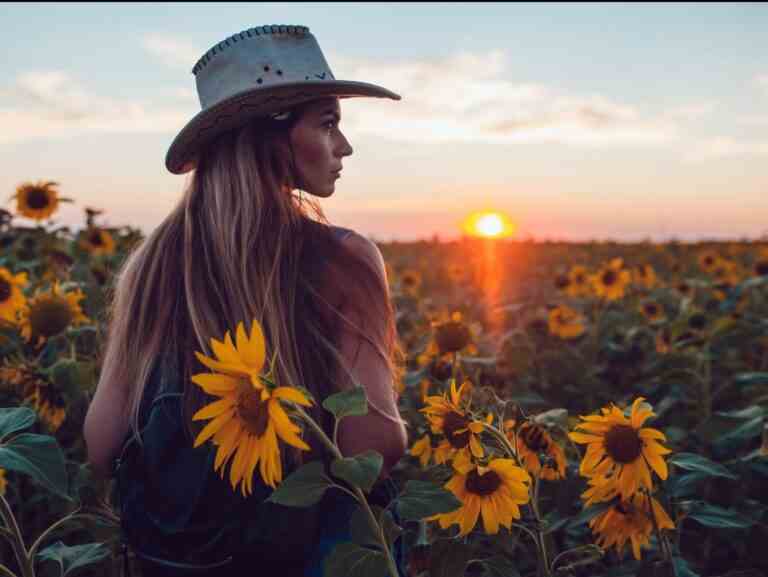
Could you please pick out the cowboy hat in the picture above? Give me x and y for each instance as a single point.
(257, 73)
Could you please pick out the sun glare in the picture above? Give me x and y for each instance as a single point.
(489, 225)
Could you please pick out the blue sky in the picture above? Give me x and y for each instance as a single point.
(608, 120)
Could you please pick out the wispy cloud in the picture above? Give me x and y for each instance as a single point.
(690, 112)
(173, 51)
(725, 147)
(762, 81)
(466, 97)
(53, 104)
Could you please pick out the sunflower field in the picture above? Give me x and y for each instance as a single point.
(573, 409)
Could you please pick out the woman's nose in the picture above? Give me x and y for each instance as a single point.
(346, 148)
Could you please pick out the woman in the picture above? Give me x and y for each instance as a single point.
(242, 244)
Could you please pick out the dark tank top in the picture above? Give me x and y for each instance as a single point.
(181, 519)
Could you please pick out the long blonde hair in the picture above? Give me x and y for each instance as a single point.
(241, 244)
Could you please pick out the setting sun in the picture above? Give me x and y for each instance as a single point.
(489, 225)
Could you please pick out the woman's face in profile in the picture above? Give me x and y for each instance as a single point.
(319, 147)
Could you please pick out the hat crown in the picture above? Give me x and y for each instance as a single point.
(262, 57)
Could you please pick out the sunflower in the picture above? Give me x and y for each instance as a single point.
(578, 282)
(49, 404)
(248, 418)
(3, 482)
(38, 200)
(652, 311)
(50, 312)
(530, 440)
(410, 281)
(97, 241)
(708, 260)
(562, 282)
(726, 273)
(618, 446)
(447, 417)
(496, 491)
(630, 520)
(760, 266)
(644, 275)
(11, 297)
(423, 450)
(451, 336)
(565, 322)
(611, 280)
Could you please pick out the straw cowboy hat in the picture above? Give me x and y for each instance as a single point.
(259, 72)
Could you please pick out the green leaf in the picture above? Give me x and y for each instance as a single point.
(391, 529)
(738, 436)
(682, 569)
(65, 374)
(302, 488)
(685, 485)
(422, 499)
(717, 517)
(74, 557)
(14, 419)
(694, 462)
(751, 379)
(347, 403)
(351, 560)
(38, 456)
(360, 471)
(361, 530)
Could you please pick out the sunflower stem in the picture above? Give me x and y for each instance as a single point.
(705, 401)
(663, 545)
(541, 542)
(358, 493)
(18, 541)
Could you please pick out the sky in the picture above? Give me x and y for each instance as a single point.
(593, 121)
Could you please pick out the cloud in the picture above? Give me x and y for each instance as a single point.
(53, 104)
(690, 112)
(466, 97)
(174, 52)
(725, 147)
(762, 81)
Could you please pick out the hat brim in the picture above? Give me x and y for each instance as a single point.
(256, 103)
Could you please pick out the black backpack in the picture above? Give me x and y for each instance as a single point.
(180, 518)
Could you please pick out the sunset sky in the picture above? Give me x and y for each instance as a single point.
(579, 121)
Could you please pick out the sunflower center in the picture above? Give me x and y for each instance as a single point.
(50, 316)
(95, 238)
(451, 337)
(609, 277)
(253, 412)
(623, 444)
(534, 439)
(580, 279)
(452, 423)
(761, 268)
(37, 199)
(651, 309)
(5, 290)
(482, 484)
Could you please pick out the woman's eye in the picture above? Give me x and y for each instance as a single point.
(330, 124)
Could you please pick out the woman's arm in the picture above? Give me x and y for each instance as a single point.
(384, 433)
(106, 423)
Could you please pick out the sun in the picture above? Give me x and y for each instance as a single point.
(489, 225)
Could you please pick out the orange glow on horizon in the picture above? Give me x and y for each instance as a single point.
(489, 225)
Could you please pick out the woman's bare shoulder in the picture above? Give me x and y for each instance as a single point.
(365, 248)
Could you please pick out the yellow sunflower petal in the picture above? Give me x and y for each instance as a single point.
(211, 428)
(656, 462)
(214, 409)
(649, 434)
(216, 383)
(469, 517)
(490, 517)
(285, 429)
(291, 394)
(584, 438)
